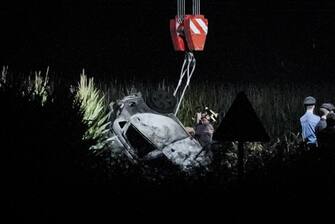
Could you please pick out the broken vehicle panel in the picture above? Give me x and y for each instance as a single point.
(144, 134)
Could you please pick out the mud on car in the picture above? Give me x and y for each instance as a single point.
(145, 129)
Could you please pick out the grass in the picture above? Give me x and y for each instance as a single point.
(43, 147)
(95, 110)
(278, 104)
(39, 86)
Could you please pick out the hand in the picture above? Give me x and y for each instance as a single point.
(198, 117)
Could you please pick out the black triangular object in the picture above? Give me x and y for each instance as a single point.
(241, 123)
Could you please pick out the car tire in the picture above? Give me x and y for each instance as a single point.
(161, 101)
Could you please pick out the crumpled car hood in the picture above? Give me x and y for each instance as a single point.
(160, 130)
(185, 153)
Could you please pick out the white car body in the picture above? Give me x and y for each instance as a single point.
(144, 134)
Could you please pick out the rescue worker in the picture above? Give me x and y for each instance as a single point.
(204, 129)
(308, 123)
(325, 109)
(326, 137)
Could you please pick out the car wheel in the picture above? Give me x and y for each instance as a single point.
(161, 101)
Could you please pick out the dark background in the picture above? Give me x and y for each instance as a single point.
(126, 38)
(261, 40)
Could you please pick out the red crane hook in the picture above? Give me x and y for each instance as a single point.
(188, 31)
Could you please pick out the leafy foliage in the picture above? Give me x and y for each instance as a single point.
(92, 103)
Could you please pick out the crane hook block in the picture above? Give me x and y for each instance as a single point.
(190, 33)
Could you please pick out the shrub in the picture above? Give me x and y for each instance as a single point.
(96, 115)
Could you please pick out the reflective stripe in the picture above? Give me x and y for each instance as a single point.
(194, 28)
(202, 24)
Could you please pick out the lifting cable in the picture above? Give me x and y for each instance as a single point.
(180, 10)
(196, 7)
(188, 70)
(189, 63)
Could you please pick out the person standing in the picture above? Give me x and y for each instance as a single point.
(326, 137)
(325, 109)
(308, 123)
(204, 129)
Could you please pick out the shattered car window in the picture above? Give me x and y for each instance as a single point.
(160, 130)
(139, 142)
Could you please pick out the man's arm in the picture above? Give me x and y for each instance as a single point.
(198, 118)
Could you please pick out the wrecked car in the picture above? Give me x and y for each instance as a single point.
(145, 129)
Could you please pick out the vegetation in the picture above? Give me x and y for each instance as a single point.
(39, 86)
(95, 109)
(278, 104)
(55, 132)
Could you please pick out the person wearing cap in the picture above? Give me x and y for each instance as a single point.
(308, 123)
(204, 129)
(326, 137)
(325, 109)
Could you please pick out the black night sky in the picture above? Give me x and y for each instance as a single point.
(131, 38)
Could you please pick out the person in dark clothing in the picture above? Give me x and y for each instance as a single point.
(204, 129)
(326, 137)
(325, 109)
